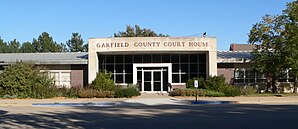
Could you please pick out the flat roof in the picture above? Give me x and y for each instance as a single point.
(233, 56)
(82, 57)
(46, 58)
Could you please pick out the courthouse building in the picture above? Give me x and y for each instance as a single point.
(151, 63)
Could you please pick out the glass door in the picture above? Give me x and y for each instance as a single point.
(147, 80)
(157, 80)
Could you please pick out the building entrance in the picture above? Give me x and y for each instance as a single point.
(152, 79)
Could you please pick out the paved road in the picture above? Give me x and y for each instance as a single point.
(221, 116)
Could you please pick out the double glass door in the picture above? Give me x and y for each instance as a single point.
(153, 79)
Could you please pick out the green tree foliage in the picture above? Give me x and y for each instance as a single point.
(291, 48)
(14, 46)
(103, 81)
(277, 41)
(45, 43)
(25, 80)
(63, 47)
(27, 47)
(75, 44)
(138, 32)
(3, 46)
(85, 47)
(267, 58)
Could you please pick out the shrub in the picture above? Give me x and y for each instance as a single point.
(248, 90)
(192, 92)
(215, 83)
(25, 80)
(72, 92)
(128, 92)
(103, 81)
(229, 90)
(190, 82)
(92, 93)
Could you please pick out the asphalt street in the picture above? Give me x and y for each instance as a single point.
(162, 116)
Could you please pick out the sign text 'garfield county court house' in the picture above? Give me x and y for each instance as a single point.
(151, 44)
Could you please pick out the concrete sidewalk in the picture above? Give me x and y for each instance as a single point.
(149, 99)
(272, 100)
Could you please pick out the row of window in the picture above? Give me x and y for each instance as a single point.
(184, 66)
(242, 75)
(153, 58)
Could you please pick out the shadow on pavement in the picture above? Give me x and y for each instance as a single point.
(223, 116)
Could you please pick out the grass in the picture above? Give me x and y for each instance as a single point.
(272, 94)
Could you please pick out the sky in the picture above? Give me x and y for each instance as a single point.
(228, 20)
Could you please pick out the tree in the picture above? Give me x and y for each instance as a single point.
(45, 43)
(86, 47)
(14, 46)
(138, 32)
(277, 40)
(3, 46)
(267, 58)
(63, 47)
(291, 49)
(75, 44)
(27, 47)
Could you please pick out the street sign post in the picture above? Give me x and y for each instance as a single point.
(196, 84)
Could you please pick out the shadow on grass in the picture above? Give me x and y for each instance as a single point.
(223, 116)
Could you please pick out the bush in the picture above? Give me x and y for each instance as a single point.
(192, 92)
(248, 90)
(190, 83)
(230, 91)
(72, 92)
(92, 93)
(215, 83)
(103, 81)
(25, 80)
(128, 92)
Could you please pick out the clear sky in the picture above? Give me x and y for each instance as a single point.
(228, 20)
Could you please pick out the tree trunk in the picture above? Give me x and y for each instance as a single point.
(295, 84)
(274, 88)
(268, 84)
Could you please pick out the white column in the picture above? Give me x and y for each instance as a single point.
(212, 63)
(92, 62)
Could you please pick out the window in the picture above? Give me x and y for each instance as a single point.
(243, 75)
(64, 78)
(187, 66)
(61, 77)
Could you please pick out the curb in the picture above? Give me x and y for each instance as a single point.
(88, 104)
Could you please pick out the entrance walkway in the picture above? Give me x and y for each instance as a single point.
(153, 99)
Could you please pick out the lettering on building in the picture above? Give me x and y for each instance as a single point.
(151, 44)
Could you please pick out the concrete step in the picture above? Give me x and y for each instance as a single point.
(154, 95)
